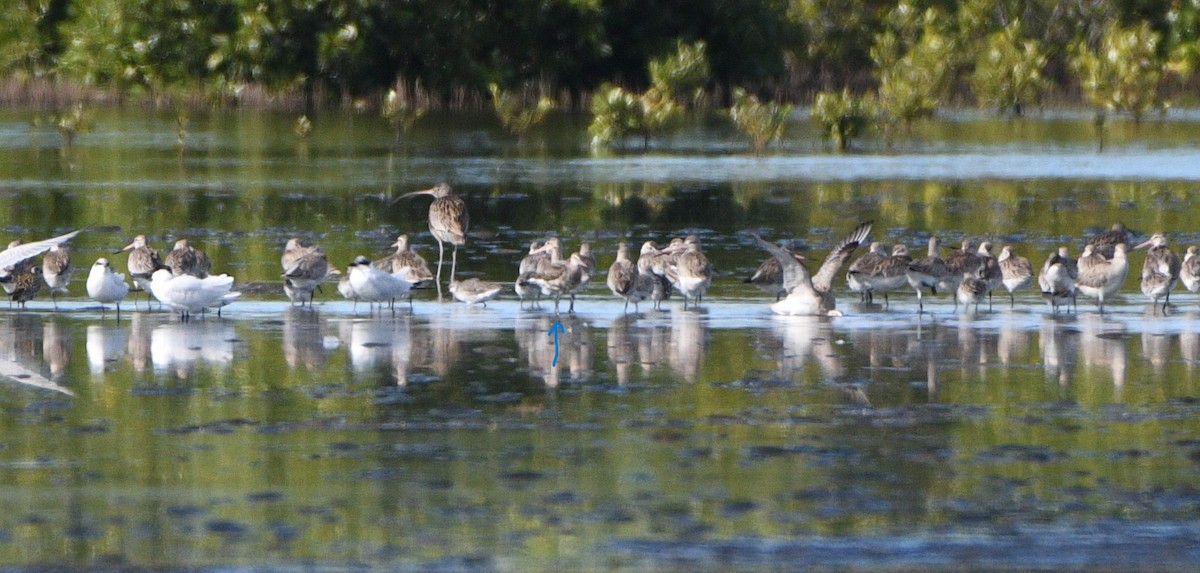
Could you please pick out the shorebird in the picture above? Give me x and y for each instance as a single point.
(1105, 243)
(106, 287)
(654, 263)
(1016, 272)
(529, 264)
(474, 291)
(588, 268)
(1100, 277)
(1057, 279)
(1189, 271)
(26, 284)
(373, 285)
(18, 254)
(768, 277)
(811, 294)
(57, 271)
(1160, 271)
(625, 281)
(448, 221)
(418, 269)
(960, 264)
(560, 278)
(692, 271)
(185, 259)
(927, 272)
(189, 294)
(886, 275)
(345, 288)
(304, 269)
(992, 274)
(858, 269)
(972, 288)
(142, 263)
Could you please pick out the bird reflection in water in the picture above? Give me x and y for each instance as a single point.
(1102, 345)
(179, 346)
(575, 351)
(141, 325)
(378, 343)
(1058, 346)
(304, 342)
(24, 345)
(106, 344)
(56, 347)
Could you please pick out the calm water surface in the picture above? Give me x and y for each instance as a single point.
(447, 437)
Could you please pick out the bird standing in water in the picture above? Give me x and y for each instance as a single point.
(448, 221)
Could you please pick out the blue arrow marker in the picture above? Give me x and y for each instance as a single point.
(555, 328)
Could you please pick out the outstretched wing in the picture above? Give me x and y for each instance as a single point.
(24, 251)
(795, 274)
(823, 280)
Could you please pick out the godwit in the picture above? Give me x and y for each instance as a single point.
(625, 281)
(1105, 243)
(972, 288)
(654, 264)
(992, 274)
(1016, 272)
(474, 291)
(189, 294)
(57, 271)
(106, 287)
(693, 271)
(185, 259)
(375, 286)
(1160, 271)
(587, 269)
(1057, 279)
(858, 269)
(927, 272)
(1190, 270)
(304, 269)
(811, 294)
(448, 221)
(561, 277)
(960, 264)
(887, 275)
(345, 288)
(768, 277)
(529, 264)
(142, 263)
(418, 269)
(1100, 277)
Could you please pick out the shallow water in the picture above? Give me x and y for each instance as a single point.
(448, 437)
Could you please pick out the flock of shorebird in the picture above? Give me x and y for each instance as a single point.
(181, 279)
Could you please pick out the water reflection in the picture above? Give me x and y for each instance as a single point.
(1058, 347)
(575, 353)
(383, 343)
(810, 338)
(305, 344)
(105, 344)
(177, 347)
(1102, 345)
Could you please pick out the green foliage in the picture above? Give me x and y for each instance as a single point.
(914, 61)
(72, 123)
(515, 115)
(683, 74)
(843, 117)
(616, 114)
(1008, 71)
(400, 113)
(762, 123)
(1123, 72)
(660, 113)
